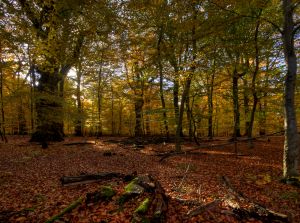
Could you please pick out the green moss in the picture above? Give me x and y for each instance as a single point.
(132, 189)
(143, 207)
(129, 187)
(107, 192)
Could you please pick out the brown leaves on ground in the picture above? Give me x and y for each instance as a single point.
(30, 190)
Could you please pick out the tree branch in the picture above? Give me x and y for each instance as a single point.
(249, 16)
(32, 17)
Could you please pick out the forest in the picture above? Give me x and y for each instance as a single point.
(149, 111)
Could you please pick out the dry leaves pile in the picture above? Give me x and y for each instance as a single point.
(30, 190)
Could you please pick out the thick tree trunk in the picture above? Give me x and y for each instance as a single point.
(49, 109)
(291, 144)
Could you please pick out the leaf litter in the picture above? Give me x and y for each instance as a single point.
(31, 190)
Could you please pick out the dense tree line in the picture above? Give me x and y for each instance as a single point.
(165, 67)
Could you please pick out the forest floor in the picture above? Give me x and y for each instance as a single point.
(31, 191)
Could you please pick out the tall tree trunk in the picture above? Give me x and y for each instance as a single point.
(120, 118)
(2, 124)
(32, 98)
(262, 117)
(246, 104)
(49, 108)
(174, 64)
(187, 85)
(176, 94)
(253, 86)
(161, 89)
(184, 97)
(189, 117)
(236, 110)
(210, 103)
(20, 110)
(138, 109)
(138, 103)
(78, 122)
(112, 108)
(99, 102)
(147, 117)
(291, 144)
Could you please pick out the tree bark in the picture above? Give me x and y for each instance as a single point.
(210, 103)
(138, 109)
(246, 104)
(161, 78)
(78, 122)
(2, 127)
(253, 87)
(187, 85)
(189, 112)
(236, 110)
(99, 101)
(48, 108)
(291, 144)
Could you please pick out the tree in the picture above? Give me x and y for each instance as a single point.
(291, 144)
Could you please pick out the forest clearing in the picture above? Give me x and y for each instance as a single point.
(31, 190)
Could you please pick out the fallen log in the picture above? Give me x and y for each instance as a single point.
(254, 209)
(89, 178)
(80, 143)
